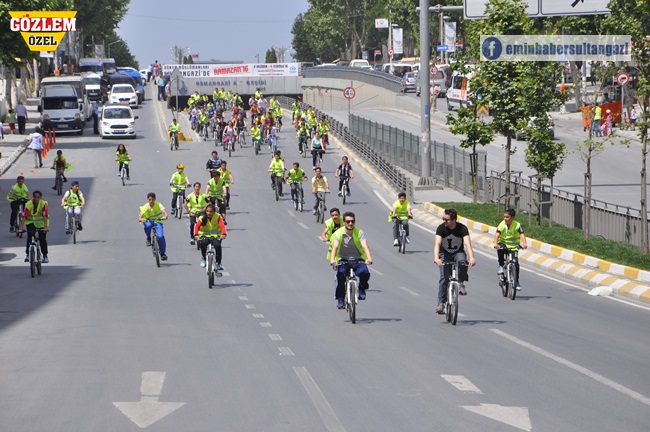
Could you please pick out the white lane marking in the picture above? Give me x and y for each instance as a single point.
(461, 383)
(266, 324)
(514, 416)
(243, 298)
(258, 316)
(303, 226)
(413, 293)
(410, 223)
(330, 419)
(376, 271)
(250, 306)
(462, 315)
(148, 410)
(291, 213)
(576, 367)
(285, 351)
(275, 337)
(225, 273)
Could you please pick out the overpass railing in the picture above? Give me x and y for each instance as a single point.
(368, 76)
(392, 173)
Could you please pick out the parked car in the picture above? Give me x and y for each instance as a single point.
(144, 75)
(117, 121)
(441, 78)
(408, 82)
(522, 134)
(123, 94)
(362, 64)
(60, 109)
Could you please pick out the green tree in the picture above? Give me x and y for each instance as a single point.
(301, 43)
(97, 21)
(632, 17)
(270, 57)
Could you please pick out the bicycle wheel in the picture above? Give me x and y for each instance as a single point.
(179, 206)
(73, 228)
(295, 195)
(59, 185)
(257, 147)
(230, 146)
(301, 197)
(32, 260)
(512, 280)
(503, 284)
(277, 189)
(210, 266)
(38, 261)
(123, 175)
(402, 243)
(352, 301)
(453, 312)
(343, 194)
(321, 212)
(155, 248)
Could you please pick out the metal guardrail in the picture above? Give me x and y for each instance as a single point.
(392, 174)
(452, 167)
(610, 221)
(370, 77)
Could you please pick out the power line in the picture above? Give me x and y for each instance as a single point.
(207, 20)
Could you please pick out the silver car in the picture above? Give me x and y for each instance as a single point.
(408, 81)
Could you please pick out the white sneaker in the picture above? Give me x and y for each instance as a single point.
(408, 241)
(500, 271)
(395, 242)
(202, 262)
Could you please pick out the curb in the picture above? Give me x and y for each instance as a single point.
(587, 269)
(12, 159)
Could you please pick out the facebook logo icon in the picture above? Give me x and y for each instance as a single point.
(491, 48)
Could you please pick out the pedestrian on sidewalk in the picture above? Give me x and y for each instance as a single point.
(595, 124)
(36, 144)
(607, 128)
(95, 118)
(160, 83)
(21, 114)
(435, 92)
(11, 119)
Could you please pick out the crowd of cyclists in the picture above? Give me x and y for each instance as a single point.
(225, 118)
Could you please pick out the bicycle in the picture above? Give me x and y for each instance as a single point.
(230, 144)
(302, 145)
(453, 286)
(241, 137)
(508, 279)
(273, 143)
(319, 157)
(19, 217)
(155, 246)
(210, 263)
(298, 196)
(351, 288)
(173, 141)
(257, 144)
(277, 185)
(180, 199)
(401, 236)
(123, 175)
(35, 255)
(58, 182)
(320, 207)
(344, 187)
(73, 226)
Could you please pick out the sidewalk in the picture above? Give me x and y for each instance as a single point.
(12, 146)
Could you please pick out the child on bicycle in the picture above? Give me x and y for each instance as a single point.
(123, 159)
(401, 214)
(509, 237)
(59, 165)
(210, 230)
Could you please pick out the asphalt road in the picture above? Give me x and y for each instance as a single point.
(616, 171)
(104, 340)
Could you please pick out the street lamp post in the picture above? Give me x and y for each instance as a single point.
(258, 57)
(109, 47)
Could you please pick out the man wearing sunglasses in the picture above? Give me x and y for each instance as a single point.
(452, 241)
(349, 243)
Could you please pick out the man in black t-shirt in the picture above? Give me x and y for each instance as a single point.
(451, 244)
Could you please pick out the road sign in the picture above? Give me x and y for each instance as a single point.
(475, 9)
(349, 93)
(442, 48)
(482, 110)
(433, 71)
(390, 52)
(381, 23)
(623, 78)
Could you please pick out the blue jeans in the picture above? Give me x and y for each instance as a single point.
(445, 273)
(159, 230)
(362, 272)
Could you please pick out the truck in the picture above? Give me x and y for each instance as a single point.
(60, 110)
(77, 82)
(92, 83)
(109, 66)
(91, 65)
(458, 92)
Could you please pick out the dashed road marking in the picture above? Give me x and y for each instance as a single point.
(285, 351)
(323, 407)
(376, 271)
(413, 293)
(266, 324)
(461, 383)
(258, 315)
(250, 306)
(275, 337)
(303, 226)
(243, 298)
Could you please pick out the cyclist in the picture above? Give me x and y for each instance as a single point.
(59, 165)
(401, 214)
(36, 216)
(509, 235)
(295, 108)
(268, 124)
(316, 149)
(174, 128)
(256, 135)
(331, 225)
(273, 138)
(295, 178)
(151, 216)
(319, 186)
(220, 127)
(177, 182)
(278, 113)
(240, 125)
(452, 243)
(16, 196)
(210, 230)
(302, 134)
(277, 169)
(194, 204)
(204, 123)
(214, 163)
(72, 201)
(122, 158)
(215, 190)
(344, 171)
(350, 243)
(229, 132)
(324, 131)
(228, 179)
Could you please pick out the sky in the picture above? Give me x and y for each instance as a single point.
(213, 29)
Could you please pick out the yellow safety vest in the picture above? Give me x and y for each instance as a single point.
(151, 213)
(36, 216)
(210, 228)
(196, 204)
(73, 200)
(356, 236)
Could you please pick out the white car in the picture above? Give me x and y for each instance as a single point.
(117, 121)
(123, 94)
(144, 74)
